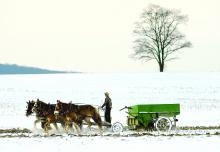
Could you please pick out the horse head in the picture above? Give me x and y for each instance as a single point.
(30, 106)
(58, 108)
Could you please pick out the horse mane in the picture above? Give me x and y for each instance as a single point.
(68, 107)
(45, 108)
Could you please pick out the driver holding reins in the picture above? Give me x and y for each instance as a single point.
(108, 106)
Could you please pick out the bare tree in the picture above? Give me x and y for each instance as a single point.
(157, 35)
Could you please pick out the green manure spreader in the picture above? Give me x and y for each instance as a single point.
(160, 117)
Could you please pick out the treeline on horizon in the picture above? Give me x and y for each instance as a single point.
(17, 69)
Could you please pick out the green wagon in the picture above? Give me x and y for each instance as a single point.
(160, 117)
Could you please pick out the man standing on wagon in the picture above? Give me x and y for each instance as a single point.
(108, 106)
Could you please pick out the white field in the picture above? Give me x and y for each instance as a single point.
(109, 144)
(198, 94)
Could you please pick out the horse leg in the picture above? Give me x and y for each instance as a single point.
(35, 123)
(71, 125)
(77, 128)
(79, 122)
(42, 124)
(47, 125)
(89, 123)
(100, 128)
(55, 125)
(63, 125)
(98, 120)
(67, 124)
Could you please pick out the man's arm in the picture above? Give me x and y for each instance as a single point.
(104, 104)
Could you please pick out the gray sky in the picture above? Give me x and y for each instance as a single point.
(96, 35)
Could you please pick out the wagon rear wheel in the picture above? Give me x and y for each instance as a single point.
(117, 127)
(163, 124)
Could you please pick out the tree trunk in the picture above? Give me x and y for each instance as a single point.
(161, 65)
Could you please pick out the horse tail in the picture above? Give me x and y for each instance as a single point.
(97, 117)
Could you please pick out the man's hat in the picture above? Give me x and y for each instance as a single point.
(106, 93)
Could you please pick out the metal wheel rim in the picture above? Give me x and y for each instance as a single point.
(117, 127)
(163, 124)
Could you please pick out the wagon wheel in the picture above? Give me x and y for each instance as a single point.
(117, 127)
(163, 124)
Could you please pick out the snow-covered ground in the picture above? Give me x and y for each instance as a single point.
(109, 144)
(198, 94)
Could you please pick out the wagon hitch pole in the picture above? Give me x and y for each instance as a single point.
(123, 108)
(126, 107)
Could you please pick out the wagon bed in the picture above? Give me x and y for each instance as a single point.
(153, 116)
(162, 109)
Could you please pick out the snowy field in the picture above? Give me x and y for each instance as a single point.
(107, 144)
(198, 94)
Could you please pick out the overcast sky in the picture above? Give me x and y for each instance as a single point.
(96, 35)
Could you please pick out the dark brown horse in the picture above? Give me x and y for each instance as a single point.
(77, 113)
(29, 111)
(46, 113)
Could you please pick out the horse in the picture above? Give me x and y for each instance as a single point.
(77, 113)
(46, 112)
(29, 111)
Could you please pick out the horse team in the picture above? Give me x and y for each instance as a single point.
(67, 114)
